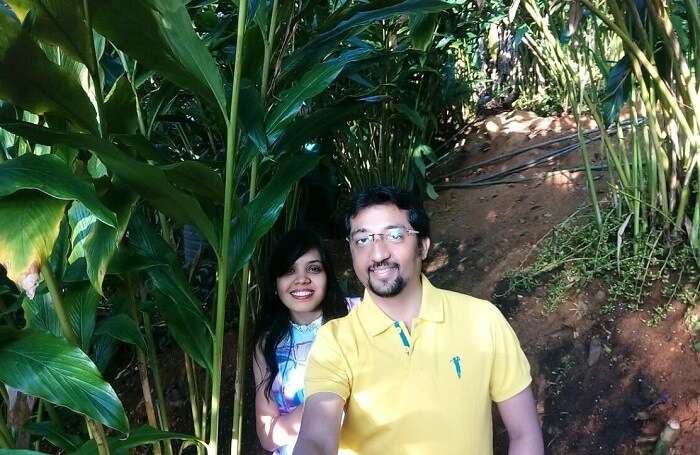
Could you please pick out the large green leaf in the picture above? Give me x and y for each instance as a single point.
(29, 225)
(149, 181)
(181, 310)
(30, 80)
(120, 108)
(314, 82)
(123, 328)
(81, 303)
(20, 452)
(58, 22)
(196, 178)
(48, 367)
(49, 174)
(141, 436)
(159, 34)
(102, 241)
(252, 115)
(52, 434)
(423, 30)
(319, 123)
(260, 215)
(350, 25)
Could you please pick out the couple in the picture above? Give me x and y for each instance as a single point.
(413, 369)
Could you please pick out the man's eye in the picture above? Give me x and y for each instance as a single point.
(394, 235)
(362, 241)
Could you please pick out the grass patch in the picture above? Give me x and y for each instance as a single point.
(575, 253)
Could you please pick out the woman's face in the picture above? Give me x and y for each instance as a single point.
(303, 287)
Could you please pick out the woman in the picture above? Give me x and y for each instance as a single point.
(300, 293)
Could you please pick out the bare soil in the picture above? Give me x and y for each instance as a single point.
(617, 403)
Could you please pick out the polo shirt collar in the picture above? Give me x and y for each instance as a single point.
(376, 321)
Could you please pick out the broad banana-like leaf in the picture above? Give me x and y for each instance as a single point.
(320, 122)
(178, 305)
(120, 108)
(618, 87)
(149, 181)
(196, 178)
(49, 174)
(40, 314)
(159, 34)
(123, 328)
(30, 80)
(102, 241)
(29, 225)
(423, 28)
(351, 24)
(81, 304)
(141, 436)
(59, 22)
(318, 79)
(55, 436)
(40, 364)
(256, 218)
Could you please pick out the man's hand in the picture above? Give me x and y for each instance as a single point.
(520, 418)
(320, 425)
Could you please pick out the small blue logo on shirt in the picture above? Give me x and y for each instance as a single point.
(458, 366)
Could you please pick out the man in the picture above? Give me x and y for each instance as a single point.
(413, 369)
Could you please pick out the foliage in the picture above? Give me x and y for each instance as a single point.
(117, 136)
(576, 253)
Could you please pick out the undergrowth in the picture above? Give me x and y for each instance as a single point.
(575, 253)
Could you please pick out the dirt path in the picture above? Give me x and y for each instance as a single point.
(620, 402)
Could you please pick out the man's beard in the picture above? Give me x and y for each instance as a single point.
(391, 289)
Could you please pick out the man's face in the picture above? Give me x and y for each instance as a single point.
(386, 267)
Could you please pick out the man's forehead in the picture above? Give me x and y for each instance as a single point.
(379, 217)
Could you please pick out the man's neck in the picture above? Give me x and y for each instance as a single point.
(403, 307)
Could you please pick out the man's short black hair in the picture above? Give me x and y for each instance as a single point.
(381, 194)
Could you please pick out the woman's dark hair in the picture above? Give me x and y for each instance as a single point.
(274, 321)
(381, 194)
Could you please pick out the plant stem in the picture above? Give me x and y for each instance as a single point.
(157, 383)
(222, 284)
(143, 366)
(194, 400)
(96, 428)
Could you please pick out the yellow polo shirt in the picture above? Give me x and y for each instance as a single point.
(424, 393)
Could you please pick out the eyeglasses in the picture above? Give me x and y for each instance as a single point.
(393, 235)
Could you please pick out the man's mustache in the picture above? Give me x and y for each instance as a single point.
(382, 264)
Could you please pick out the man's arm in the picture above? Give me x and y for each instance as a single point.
(320, 425)
(519, 415)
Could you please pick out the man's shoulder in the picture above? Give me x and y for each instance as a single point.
(458, 303)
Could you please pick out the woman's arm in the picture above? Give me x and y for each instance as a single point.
(274, 430)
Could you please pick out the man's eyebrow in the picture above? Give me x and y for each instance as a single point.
(358, 230)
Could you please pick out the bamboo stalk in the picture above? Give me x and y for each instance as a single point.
(194, 400)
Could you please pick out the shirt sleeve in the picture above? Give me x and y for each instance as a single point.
(510, 373)
(327, 369)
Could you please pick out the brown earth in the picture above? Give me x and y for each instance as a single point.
(617, 405)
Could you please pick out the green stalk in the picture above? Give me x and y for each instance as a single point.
(157, 383)
(39, 417)
(96, 428)
(143, 367)
(194, 400)
(222, 285)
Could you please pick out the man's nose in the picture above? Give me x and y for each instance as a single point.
(378, 250)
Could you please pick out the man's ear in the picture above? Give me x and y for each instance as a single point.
(425, 246)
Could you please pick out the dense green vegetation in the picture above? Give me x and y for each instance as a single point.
(141, 141)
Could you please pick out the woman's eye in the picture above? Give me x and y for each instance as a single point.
(290, 271)
(316, 269)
